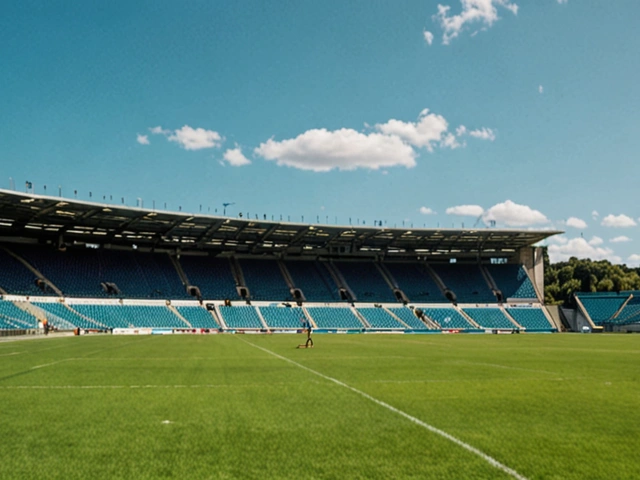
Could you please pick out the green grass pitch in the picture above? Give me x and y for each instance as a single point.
(547, 406)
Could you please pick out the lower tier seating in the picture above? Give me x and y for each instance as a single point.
(448, 318)
(197, 316)
(283, 317)
(489, 318)
(243, 316)
(379, 318)
(408, 317)
(531, 318)
(334, 317)
(13, 317)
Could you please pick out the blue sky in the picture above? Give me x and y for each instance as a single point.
(522, 113)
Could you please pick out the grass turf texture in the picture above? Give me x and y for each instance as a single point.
(547, 406)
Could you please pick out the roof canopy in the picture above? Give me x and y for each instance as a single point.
(30, 216)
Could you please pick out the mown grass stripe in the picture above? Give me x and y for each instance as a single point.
(489, 459)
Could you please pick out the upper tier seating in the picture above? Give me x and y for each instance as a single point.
(416, 283)
(366, 282)
(13, 317)
(379, 318)
(17, 279)
(79, 272)
(490, 318)
(407, 316)
(265, 280)
(466, 281)
(211, 275)
(447, 318)
(283, 317)
(314, 280)
(602, 306)
(334, 317)
(197, 316)
(512, 280)
(243, 316)
(531, 318)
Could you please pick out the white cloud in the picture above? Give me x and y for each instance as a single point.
(580, 248)
(142, 139)
(321, 150)
(190, 138)
(633, 260)
(540, 89)
(159, 130)
(514, 215)
(428, 37)
(618, 221)
(428, 130)
(394, 143)
(195, 138)
(483, 133)
(235, 158)
(561, 2)
(479, 12)
(576, 223)
(595, 214)
(620, 239)
(596, 241)
(466, 210)
(558, 240)
(426, 211)
(461, 130)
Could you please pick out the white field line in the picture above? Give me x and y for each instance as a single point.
(507, 367)
(123, 387)
(9, 354)
(492, 461)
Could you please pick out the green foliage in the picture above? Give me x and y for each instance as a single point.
(563, 279)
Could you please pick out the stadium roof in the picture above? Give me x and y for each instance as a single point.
(44, 218)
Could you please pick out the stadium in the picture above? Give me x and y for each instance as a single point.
(157, 382)
(95, 267)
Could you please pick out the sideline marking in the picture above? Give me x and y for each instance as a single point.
(121, 387)
(492, 461)
(9, 354)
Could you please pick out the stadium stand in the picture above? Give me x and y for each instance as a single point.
(513, 281)
(379, 318)
(84, 272)
(408, 317)
(211, 275)
(12, 317)
(198, 317)
(416, 283)
(244, 316)
(489, 318)
(630, 312)
(283, 317)
(447, 318)
(16, 278)
(365, 281)
(265, 280)
(466, 281)
(602, 306)
(334, 317)
(532, 319)
(57, 312)
(314, 280)
(131, 316)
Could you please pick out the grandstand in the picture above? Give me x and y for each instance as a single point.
(610, 311)
(105, 267)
